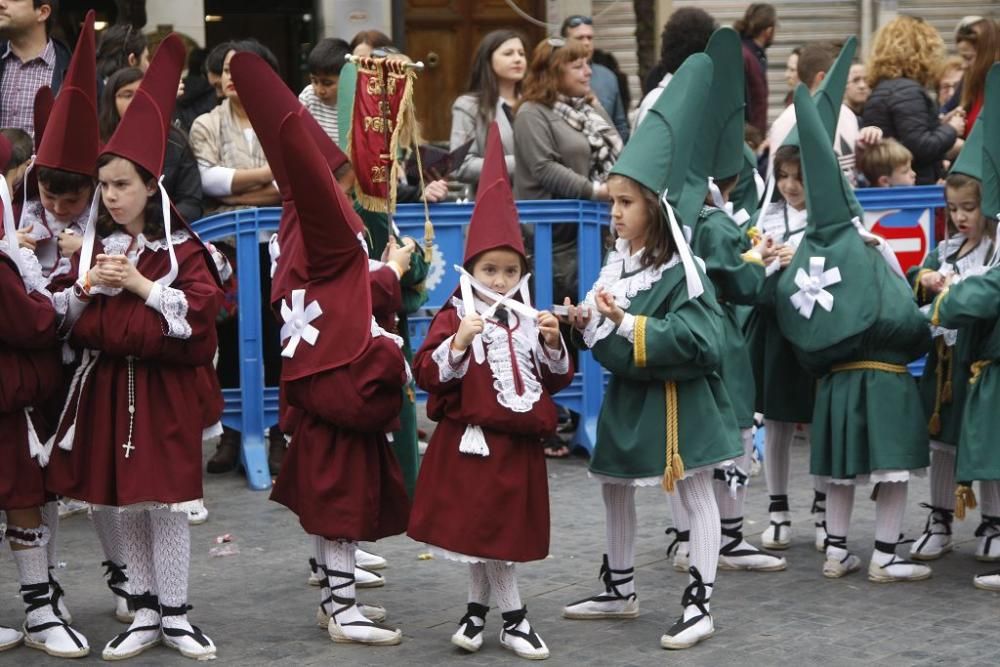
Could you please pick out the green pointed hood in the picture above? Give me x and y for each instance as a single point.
(970, 161)
(346, 86)
(659, 151)
(831, 243)
(991, 145)
(719, 149)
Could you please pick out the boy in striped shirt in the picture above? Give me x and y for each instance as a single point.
(320, 96)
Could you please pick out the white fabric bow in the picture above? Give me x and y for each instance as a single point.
(739, 217)
(692, 278)
(812, 287)
(469, 285)
(297, 325)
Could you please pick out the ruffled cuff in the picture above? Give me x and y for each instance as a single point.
(172, 304)
(772, 268)
(627, 328)
(451, 365)
(557, 361)
(33, 277)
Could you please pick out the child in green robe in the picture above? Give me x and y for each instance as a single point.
(653, 321)
(945, 381)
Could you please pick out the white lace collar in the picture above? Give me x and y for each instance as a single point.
(973, 262)
(617, 279)
(511, 370)
(121, 243)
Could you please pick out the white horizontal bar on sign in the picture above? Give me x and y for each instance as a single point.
(904, 245)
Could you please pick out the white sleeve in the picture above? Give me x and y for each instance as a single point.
(216, 181)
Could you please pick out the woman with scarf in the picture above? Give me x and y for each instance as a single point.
(564, 147)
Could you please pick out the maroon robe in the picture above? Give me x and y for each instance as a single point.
(340, 475)
(165, 465)
(30, 372)
(494, 507)
(387, 300)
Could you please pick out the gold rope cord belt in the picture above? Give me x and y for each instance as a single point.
(869, 366)
(977, 368)
(674, 468)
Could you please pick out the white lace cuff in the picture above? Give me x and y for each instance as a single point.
(557, 361)
(772, 268)
(34, 278)
(172, 304)
(68, 307)
(451, 366)
(627, 328)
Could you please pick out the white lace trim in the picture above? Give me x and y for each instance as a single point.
(558, 362)
(378, 331)
(438, 552)
(184, 507)
(524, 340)
(174, 308)
(32, 273)
(877, 476)
(658, 480)
(121, 243)
(442, 357)
(623, 289)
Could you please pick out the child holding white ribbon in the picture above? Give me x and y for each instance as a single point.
(653, 321)
(490, 364)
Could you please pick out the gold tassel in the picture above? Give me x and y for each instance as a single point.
(934, 425)
(965, 498)
(410, 394)
(428, 239)
(946, 392)
(674, 469)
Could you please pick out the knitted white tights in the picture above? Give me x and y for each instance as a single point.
(619, 509)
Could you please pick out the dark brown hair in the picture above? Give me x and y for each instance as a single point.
(108, 118)
(783, 156)
(659, 241)
(814, 58)
(483, 80)
(541, 84)
(372, 38)
(62, 182)
(21, 147)
(984, 37)
(758, 17)
(152, 214)
(117, 43)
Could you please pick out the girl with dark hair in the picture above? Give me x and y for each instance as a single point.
(121, 45)
(180, 169)
(139, 452)
(494, 88)
(685, 33)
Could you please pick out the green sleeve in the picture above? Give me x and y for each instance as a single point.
(722, 245)
(974, 298)
(682, 344)
(931, 263)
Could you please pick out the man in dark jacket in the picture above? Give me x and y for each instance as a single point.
(756, 28)
(29, 59)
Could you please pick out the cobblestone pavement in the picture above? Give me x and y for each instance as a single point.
(258, 609)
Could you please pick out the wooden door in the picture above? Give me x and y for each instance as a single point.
(444, 35)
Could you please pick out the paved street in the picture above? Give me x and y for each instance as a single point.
(258, 609)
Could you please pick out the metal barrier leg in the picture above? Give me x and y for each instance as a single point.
(253, 452)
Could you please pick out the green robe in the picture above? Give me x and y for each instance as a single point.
(944, 384)
(974, 304)
(871, 420)
(721, 243)
(404, 441)
(683, 340)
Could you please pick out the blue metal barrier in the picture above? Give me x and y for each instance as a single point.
(253, 406)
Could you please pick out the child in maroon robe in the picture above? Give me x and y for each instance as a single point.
(490, 364)
(143, 313)
(344, 375)
(30, 372)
